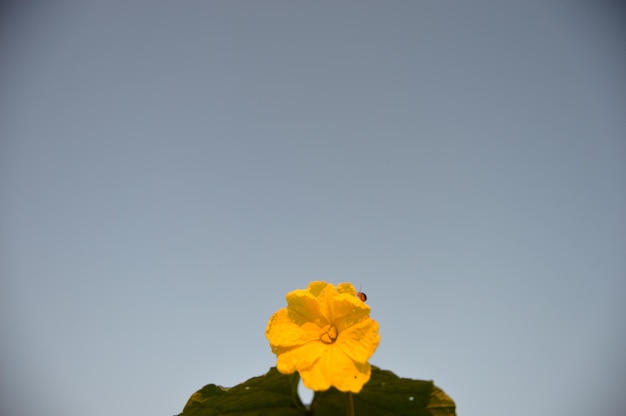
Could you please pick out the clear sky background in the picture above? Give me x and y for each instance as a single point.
(170, 170)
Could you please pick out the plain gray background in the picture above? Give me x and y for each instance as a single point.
(170, 170)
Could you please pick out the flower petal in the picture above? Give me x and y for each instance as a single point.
(282, 332)
(304, 307)
(347, 310)
(346, 288)
(317, 287)
(337, 369)
(300, 358)
(359, 341)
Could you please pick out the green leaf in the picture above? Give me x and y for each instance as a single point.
(275, 394)
(269, 394)
(386, 394)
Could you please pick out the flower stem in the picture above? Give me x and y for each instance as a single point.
(350, 404)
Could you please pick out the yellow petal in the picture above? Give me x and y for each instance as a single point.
(346, 288)
(353, 378)
(347, 310)
(299, 358)
(304, 307)
(337, 369)
(359, 341)
(282, 332)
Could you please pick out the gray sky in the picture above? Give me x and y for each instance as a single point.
(170, 170)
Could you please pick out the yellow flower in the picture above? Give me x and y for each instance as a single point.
(326, 334)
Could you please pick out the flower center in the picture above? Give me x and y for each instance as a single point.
(329, 335)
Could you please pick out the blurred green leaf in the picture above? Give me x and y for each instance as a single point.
(269, 394)
(275, 394)
(386, 394)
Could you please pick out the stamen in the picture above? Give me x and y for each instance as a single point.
(329, 336)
